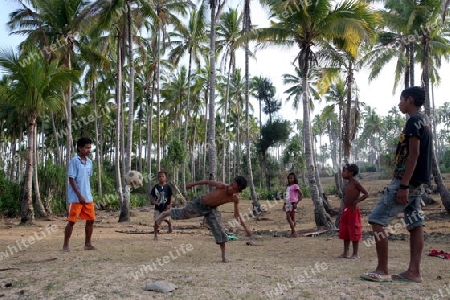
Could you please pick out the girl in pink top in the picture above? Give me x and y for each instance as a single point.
(293, 195)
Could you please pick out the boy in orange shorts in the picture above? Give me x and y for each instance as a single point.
(350, 227)
(80, 196)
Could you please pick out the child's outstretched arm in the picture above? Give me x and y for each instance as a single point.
(237, 215)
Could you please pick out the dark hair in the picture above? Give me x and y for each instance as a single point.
(295, 178)
(417, 93)
(241, 181)
(83, 142)
(352, 168)
(162, 172)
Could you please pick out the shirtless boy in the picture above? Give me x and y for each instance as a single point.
(350, 227)
(206, 206)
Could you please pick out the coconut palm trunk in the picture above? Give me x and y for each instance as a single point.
(211, 141)
(319, 212)
(125, 207)
(118, 137)
(437, 176)
(348, 119)
(186, 122)
(40, 207)
(98, 141)
(27, 211)
(247, 24)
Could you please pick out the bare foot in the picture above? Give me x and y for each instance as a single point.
(407, 277)
(65, 249)
(170, 230)
(354, 256)
(89, 247)
(225, 260)
(343, 256)
(293, 235)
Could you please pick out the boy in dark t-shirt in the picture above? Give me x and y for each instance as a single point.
(161, 197)
(412, 169)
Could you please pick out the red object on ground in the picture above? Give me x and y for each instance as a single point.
(440, 254)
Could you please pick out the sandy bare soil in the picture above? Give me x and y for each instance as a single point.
(32, 265)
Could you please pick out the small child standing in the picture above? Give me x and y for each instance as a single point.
(293, 195)
(161, 197)
(350, 228)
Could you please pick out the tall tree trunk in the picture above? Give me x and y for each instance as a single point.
(319, 212)
(185, 136)
(98, 142)
(225, 117)
(27, 211)
(14, 158)
(57, 149)
(150, 128)
(37, 193)
(125, 208)
(118, 136)
(237, 169)
(348, 119)
(140, 143)
(411, 64)
(69, 142)
(158, 104)
(443, 191)
(212, 151)
(247, 25)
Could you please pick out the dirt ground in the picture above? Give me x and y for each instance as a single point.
(32, 265)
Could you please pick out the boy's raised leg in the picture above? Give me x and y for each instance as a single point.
(158, 221)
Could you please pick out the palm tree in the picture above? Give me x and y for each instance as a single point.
(246, 29)
(54, 26)
(35, 87)
(192, 39)
(295, 91)
(311, 22)
(262, 89)
(216, 7)
(227, 34)
(432, 14)
(165, 13)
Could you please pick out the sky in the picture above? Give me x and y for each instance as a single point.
(378, 93)
(272, 63)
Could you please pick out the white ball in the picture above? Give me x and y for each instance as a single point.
(134, 179)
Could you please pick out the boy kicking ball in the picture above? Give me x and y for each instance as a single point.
(206, 206)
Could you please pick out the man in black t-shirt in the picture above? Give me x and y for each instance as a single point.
(403, 194)
(161, 197)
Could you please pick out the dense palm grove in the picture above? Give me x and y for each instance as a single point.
(157, 85)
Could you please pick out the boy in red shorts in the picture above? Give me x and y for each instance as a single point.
(350, 228)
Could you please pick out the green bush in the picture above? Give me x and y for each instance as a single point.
(52, 187)
(107, 201)
(305, 190)
(10, 194)
(111, 201)
(331, 190)
(138, 200)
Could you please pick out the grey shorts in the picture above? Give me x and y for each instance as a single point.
(387, 208)
(197, 208)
